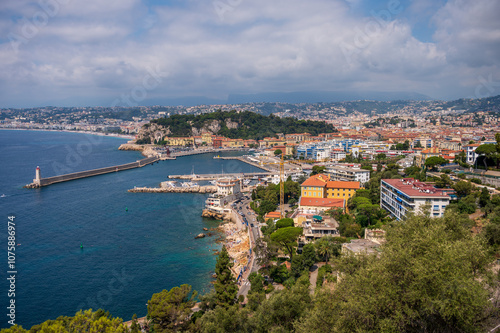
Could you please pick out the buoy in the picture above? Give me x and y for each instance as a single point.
(81, 245)
(126, 209)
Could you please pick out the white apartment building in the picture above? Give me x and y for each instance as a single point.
(400, 196)
(350, 174)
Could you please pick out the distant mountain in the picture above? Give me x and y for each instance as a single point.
(323, 96)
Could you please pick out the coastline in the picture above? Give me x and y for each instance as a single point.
(121, 136)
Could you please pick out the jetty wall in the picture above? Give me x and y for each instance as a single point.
(90, 173)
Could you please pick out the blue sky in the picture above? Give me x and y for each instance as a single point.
(94, 52)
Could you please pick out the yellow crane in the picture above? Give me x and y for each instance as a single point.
(282, 184)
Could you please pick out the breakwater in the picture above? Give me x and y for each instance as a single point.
(40, 182)
(170, 189)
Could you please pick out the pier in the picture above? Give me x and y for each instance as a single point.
(170, 189)
(39, 181)
(211, 176)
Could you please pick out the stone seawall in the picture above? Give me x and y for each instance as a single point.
(194, 189)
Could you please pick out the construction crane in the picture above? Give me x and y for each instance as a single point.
(282, 183)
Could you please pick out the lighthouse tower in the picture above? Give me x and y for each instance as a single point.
(37, 176)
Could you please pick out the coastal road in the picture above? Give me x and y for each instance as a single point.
(248, 214)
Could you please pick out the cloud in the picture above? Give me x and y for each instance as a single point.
(98, 50)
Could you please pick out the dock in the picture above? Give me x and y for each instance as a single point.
(40, 182)
(212, 176)
(170, 189)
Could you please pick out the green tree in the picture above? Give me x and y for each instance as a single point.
(463, 188)
(277, 152)
(443, 181)
(434, 161)
(287, 238)
(284, 223)
(135, 327)
(317, 169)
(431, 276)
(170, 310)
(484, 197)
(225, 284)
(309, 256)
(83, 321)
(489, 152)
(279, 312)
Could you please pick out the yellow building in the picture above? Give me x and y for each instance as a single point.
(341, 189)
(314, 186)
(179, 141)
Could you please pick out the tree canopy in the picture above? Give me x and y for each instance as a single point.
(287, 238)
(170, 310)
(430, 276)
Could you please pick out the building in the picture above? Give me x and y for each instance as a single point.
(470, 152)
(401, 196)
(348, 174)
(320, 186)
(341, 190)
(314, 186)
(228, 186)
(317, 205)
(361, 246)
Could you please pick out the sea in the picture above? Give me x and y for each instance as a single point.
(89, 243)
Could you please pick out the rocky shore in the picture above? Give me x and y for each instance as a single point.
(237, 244)
(146, 150)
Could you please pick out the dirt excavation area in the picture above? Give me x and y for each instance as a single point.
(237, 244)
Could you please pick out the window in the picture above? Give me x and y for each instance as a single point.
(436, 207)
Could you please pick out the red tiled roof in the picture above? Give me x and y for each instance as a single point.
(272, 215)
(415, 188)
(316, 180)
(320, 202)
(341, 184)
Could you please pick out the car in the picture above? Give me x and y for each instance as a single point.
(251, 224)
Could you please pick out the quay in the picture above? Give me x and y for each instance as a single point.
(40, 182)
(211, 176)
(171, 189)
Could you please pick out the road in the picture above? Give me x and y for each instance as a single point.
(248, 216)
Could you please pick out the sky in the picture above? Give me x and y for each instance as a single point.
(135, 52)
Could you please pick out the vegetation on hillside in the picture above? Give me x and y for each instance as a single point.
(250, 125)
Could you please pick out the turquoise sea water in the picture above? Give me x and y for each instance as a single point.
(127, 255)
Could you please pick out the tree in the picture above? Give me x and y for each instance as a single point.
(287, 238)
(280, 312)
(170, 310)
(489, 151)
(316, 169)
(309, 256)
(463, 188)
(225, 284)
(327, 247)
(284, 223)
(135, 327)
(443, 181)
(434, 161)
(83, 321)
(380, 156)
(484, 197)
(431, 275)
(277, 152)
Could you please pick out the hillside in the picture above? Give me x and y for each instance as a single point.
(235, 125)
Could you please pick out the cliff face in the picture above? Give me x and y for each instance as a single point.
(153, 132)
